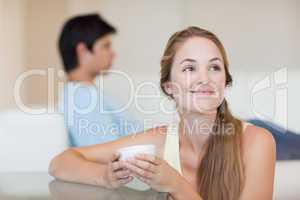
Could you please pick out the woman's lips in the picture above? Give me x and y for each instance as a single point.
(203, 92)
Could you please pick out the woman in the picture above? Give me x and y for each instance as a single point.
(211, 156)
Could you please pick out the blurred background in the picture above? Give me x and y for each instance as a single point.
(261, 39)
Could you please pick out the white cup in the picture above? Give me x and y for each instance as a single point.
(131, 151)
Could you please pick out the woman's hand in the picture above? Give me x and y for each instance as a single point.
(154, 171)
(116, 173)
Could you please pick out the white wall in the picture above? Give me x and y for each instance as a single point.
(11, 49)
(144, 28)
(43, 23)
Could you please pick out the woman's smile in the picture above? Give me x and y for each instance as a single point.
(203, 92)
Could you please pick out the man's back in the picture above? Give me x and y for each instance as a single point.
(91, 117)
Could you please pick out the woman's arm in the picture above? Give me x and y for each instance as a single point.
(260, 158)
(89, 164)
(73, 166)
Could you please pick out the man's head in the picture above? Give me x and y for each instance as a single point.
(85, 41)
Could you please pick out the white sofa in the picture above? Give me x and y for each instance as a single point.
(28, 142)
(287, 180)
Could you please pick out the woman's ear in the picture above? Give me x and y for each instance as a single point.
(168, 88)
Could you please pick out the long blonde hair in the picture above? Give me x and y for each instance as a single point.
(220, 174)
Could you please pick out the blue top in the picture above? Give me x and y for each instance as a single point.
(91, 118)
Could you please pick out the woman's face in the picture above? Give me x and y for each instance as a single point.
(198, 77)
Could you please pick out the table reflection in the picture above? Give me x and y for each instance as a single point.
(40, 186)
(60, 190)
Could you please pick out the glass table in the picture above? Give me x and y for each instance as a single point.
(40, 186)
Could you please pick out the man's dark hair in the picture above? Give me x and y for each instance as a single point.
(83, 28)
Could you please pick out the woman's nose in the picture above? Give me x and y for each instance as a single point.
(203, 76)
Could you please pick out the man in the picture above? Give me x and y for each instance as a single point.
(85, 49)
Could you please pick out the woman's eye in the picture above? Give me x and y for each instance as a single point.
(215, 68)
(188, 68)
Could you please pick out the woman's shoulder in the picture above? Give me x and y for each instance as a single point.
(255, 134)
(257, 140)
